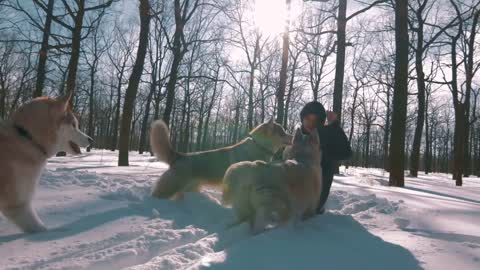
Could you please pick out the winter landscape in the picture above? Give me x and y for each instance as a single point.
(361, 119)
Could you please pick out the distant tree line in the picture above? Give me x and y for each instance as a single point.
(402, 75)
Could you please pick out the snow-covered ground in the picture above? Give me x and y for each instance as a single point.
(102, 217)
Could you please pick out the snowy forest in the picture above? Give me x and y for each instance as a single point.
(213, 70)
(157, 84)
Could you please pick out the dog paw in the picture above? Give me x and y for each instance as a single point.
(36, 229)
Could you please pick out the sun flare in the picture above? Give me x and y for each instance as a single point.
(270, 15)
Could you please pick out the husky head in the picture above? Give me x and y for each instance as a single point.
(52, 125)
(271, 133)
(306, 147)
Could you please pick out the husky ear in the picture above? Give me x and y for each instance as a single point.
(271, 122)
(298, 137)
(64, 101)
(314, 138)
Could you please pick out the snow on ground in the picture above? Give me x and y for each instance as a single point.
(102, 217)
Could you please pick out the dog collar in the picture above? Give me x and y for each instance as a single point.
(265, 149)
(22, 132)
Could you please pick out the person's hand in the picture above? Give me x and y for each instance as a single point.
(331, 117)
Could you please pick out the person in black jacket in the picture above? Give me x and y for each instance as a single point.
(334, 143)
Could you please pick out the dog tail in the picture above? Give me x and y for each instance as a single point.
(160, 142)
(228, 180)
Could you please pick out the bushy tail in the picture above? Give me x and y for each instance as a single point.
(228, 180)
(160, 142)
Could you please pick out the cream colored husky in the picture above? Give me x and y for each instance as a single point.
(275, 193)
(36, 131)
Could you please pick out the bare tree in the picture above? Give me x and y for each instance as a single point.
(120, 58)
(96, 49)
(397, 143)
(42, 53)
(183, 13)
(252, 43)
(421, 10)
(461, 95)
(131, 92)
(280, 94)
(341, 44)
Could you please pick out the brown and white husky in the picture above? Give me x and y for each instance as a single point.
(36, 131)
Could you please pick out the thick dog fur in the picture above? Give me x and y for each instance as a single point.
(265, 194)
(36, 132)
(189, 171)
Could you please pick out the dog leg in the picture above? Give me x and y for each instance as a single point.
(295, 216)
(234, 223)
(259, 223)
(309, 213)
(179, 196)
(168, 185)
(25, 217)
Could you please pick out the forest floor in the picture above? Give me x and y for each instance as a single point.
(102, 217)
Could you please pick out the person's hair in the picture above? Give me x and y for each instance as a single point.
(314, 107)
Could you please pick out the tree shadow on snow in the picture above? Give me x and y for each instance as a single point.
(325, 242)
(196, 209)
(403, 224)
(383, 180)
(78, 226)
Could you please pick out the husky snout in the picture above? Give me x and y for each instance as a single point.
(83, 139)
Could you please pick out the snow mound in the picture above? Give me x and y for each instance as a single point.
(346, 203)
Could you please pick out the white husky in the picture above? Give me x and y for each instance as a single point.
(36, 131)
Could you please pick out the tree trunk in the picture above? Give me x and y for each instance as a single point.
(180, 146)
(352, 115)
(172, 81)
(131, 93)
(478, 153)
(250, 99)
(469, 67)
(214, 133)
(186, 135)
(198, 140)
(236, 123)
(340, 60)
(459, 127)
(417, 137)
(290, 91)
(397, 143)
(209, 111)
(143, 132)
(367, 146)
(283, 70)
(116, 121)
(386, 135)
(42, 54)
(75, 53)
(427, 141)
(459, 143)
(90, 103)
(178, 53)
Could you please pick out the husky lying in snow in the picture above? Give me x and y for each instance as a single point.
(274, 193)
(189, 171)
(36, 132)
